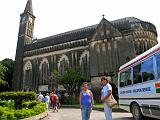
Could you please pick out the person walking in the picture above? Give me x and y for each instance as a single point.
(86, 101)
(47, 100)
(105, 94)
(54, 101)
(40, 97)
(59, 99)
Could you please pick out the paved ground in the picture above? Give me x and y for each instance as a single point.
(75, 114)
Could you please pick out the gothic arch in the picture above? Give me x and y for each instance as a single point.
(63, 64)
(149, 44)
(28, 65)
(85, 53)
(141, 47)
(84, 64)
(146, 45)
(27, 76)
(44, 71)
(144, 34)
(138, 47)
(43, 60)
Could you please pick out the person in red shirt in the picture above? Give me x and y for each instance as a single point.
(54, 101)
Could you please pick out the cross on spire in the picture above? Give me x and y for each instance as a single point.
(103, 15)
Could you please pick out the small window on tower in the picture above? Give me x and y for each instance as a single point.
(30, 19)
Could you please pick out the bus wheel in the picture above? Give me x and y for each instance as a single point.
(136, 112)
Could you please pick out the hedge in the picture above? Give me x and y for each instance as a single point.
(9, 103)
(18, 97)
(24, 102)
(29, 104)
(10, 114)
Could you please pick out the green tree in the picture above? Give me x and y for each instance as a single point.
(3, 84)
(8, 74)
(71, 80)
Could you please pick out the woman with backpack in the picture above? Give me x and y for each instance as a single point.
(54, 101)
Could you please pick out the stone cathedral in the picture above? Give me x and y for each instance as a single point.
(96, 50)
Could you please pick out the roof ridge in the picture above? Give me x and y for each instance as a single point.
(71, 31)
(129, 19)
(121, 24)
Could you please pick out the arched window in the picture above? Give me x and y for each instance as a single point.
(44, 70)
(146, 45)
(84, 64)
(27, 76)
(138, 46)
(141, 47)
(63, 64)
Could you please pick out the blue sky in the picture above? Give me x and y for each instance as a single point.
(57, 16)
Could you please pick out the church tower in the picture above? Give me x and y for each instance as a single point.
(25, 37)
(27, 24)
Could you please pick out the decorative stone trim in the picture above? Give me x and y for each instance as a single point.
(54, 53)
(62, 46)
(144, 34)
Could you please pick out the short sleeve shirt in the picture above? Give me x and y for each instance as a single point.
(47, 98)
(40, 97)
(86, 98)
(106, 88)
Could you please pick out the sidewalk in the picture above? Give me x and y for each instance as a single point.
(68, 113)
(49, 114)
(96, 107)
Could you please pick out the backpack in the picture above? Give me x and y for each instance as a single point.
(54, 98)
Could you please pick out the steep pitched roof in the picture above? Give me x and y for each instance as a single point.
(124, 24)
(120, 25)
(105, 29)
(84, 32)
(28, 7)
(132, 24)
(128, 19)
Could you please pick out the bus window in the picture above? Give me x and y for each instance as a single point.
(158, 65)
(137, 78)
(125, 78)
(122, 80)
(147, 70)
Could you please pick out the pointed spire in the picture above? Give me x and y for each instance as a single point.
(29, 7)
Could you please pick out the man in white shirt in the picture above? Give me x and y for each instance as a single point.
(105, 94)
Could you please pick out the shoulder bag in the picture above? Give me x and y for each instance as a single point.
(110, 101)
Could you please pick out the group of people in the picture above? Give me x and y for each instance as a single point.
(87, 102)
(52, 100)
(85, 99)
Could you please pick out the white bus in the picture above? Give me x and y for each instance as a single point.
(139, 85)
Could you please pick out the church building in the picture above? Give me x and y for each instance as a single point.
(96, 50)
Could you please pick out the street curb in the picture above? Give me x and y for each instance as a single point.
(37, 117)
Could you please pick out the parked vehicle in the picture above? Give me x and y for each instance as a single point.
(139, 85)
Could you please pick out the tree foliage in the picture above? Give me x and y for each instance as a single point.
(3, 69)
(71, 80)
(3, 83)
(8, 74)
